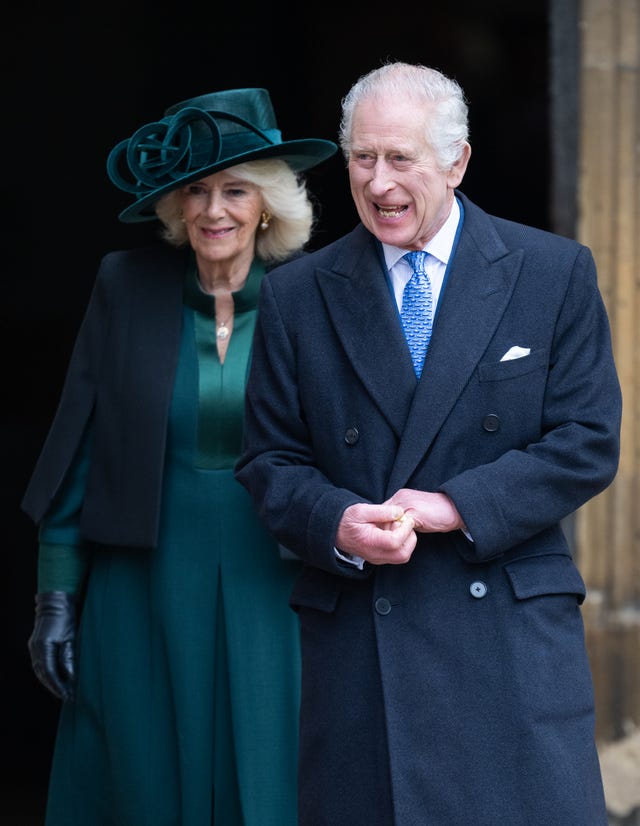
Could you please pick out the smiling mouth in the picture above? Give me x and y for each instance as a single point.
(216, 232)
(390, 211)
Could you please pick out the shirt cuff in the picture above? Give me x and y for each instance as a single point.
(350, 559)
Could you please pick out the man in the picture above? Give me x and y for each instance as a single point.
(445, 677)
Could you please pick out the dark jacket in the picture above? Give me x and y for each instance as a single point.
(129, 337)
(474, 650)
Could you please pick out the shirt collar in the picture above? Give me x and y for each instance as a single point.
(439, 246)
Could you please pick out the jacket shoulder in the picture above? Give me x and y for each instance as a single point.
(142, 262)
(335, 255)
(515, 234)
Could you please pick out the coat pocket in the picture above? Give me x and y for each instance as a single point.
(315, 589)
(500, 370)
(535, 576)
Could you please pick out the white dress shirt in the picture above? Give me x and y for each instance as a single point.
(439, 249)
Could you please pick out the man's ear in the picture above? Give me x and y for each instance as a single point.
(456, 173)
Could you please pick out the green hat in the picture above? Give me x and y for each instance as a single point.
(198, 137)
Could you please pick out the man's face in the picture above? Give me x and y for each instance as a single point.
(401, 194)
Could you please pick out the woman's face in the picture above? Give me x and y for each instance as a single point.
(221, 214)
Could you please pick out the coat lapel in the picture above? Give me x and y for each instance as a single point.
(365, 318)
(480, 283)
(358, 299)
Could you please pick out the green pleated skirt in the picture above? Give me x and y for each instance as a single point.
(188, 664)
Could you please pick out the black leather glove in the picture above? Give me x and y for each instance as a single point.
(52, 640)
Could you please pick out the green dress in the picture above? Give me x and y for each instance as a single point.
(188, 660)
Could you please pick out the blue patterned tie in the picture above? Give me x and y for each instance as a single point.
(416, 310)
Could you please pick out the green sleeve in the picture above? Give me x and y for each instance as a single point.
(62, 559)
(61, 568)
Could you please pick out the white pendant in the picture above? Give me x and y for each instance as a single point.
(222, 332)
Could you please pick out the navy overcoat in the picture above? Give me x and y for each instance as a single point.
(453, 690)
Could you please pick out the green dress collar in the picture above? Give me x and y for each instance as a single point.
(244, 299)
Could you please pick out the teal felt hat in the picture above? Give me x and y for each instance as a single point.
(198, 137)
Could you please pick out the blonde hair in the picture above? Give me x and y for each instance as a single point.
(285, 196)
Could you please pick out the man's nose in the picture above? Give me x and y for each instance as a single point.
(381, 178)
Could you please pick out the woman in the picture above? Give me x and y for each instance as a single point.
(181, 686)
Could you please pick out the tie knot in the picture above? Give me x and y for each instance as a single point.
(417, 261)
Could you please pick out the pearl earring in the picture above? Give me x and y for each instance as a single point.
(265, 219)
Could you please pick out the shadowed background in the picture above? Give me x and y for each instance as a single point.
(77, 82)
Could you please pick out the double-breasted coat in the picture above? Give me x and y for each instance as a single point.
(453, 690)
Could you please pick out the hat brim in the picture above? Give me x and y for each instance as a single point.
(299, 154)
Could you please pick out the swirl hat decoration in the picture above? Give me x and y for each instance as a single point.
(198, 137)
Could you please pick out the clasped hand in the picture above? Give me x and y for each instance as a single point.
(386, 534)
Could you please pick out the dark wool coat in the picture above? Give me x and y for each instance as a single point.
(453, 690)
(129, 337)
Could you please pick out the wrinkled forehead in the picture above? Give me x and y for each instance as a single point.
(385, 124)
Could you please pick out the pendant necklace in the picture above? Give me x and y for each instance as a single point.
(222, 331)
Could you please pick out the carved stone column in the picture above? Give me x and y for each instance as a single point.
(607, 530)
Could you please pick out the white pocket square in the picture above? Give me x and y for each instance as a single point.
(515, 353)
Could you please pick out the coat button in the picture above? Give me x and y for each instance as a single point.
(478, 589)
(351, 436)
(383, 606)
(491, 423)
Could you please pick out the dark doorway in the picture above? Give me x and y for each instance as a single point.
(76, 82)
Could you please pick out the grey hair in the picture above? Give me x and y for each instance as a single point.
(446, 124)
(285, 196)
